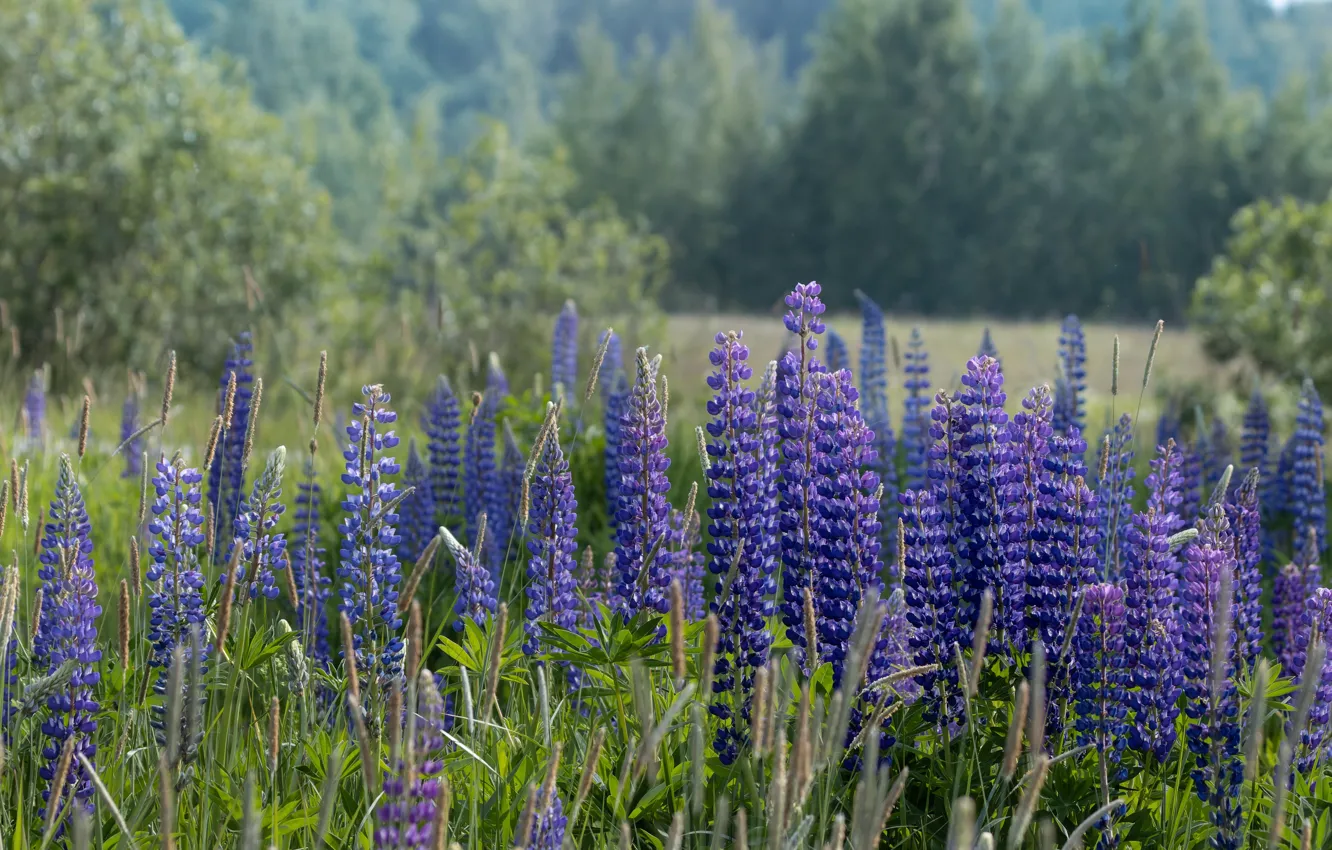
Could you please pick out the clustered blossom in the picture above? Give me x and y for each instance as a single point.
(1308, 499)
(551, 543)
(1247, 536)
(367, 563)
(1031, 514)
(129, 425)
(916, 415)
(797, 384)
(1071, 390)
(263, 548)
(1316, 625)
(504, 518)
(739, 528)
(405, 820)
(226, 477)
(1115, 495)
(617, 402)
(931, 602)
(687, 562)
(1255, 439)
(440, 421)
(1101, 673)
(1288, 600)
(307, 564)
(417, 513)
(176, 599)
(472, 582)
(643, 512)
(68, 632)
(1191, 484)
(564, 351)
(548, 824)
(874, 407)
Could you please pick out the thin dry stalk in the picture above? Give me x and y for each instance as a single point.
(124, 631)
(677, 633)
(83, 426)
(168, 389)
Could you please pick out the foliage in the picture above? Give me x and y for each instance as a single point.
(1268, 297)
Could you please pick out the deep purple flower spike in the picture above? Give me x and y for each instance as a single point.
(226, 477)
(551, 543)
(441, 420)
(564, 352)
(1308, 498)
(1115, 495)
(874, 407)
(263, 548)
(916, 413)
(641, 555)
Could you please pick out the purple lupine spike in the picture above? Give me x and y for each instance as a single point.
(1212, 700)
(1115, 495)
(1288, 602)
(441, 420)
(836, 355)
(564, 352)
(987, 473)
(1168, 424)
(1191, 489)
(480, 478)
(769, 456)
(417, 509)
(1100, 672)
(513, 468)
(687, 563)
(612, 364)
(1246, 528)
(262, 548)
(617, 401)
(891, 654)
(34, 411)
(308, 569)
(1165, 495)
(1316, 625)
(643, 510)
(1031, 515)
(472, 582)
(987, 347)
(1308, 498)
(129, 425)
(916, 412)
(846, 508)
(548, 825)
(874, 406)
(68, 633)
(1277, 497)
(796, 388)
(931, 603)
(176, 599)
(551, 543)
(1255, 439)
(226, 477)
(1071, 399)
(405, 820)
(367, 563)
(1152, 634)
(1220, 453)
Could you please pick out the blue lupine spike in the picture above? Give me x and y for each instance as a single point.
(406, 817)
(473, 583)
(176, 598)
(1289, 596)
(129, 424)
(564, 350)
(643, 510)
(367, 563)
(1316, 623)
(987, 347)
(837, 356)
(1115, 497)
(931, 602)
(1246, 528)
(687, 563)
(548, 825)
(34, 411)
(505, 518)
(308, 561)
(617, 401)
(1032, 516)
(874, 406)
(417, 509)
(551, 543)
(1071, 398)
(1192, 489)
(916, 412)
(441, 420)
(1100, 672)
(226, 478)
(262, 548)
(1308, 498)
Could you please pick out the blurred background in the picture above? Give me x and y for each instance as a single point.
(414, 183)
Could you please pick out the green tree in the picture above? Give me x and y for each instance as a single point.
(127, 163)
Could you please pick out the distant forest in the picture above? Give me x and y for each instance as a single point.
(997, 156)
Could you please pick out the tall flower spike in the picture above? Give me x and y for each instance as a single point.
(1192, 490)
(1114, 494)
(548, 825)
(1100, 674)
(551, 543)
(687, 562)
(226, 478)
(473, 583)
(367, 563)
(740, 517)
(504, 518)
(441, 420)
(1255, 439)
(308, 561)
(417, 509)
(405, 820)
(617, 402)
(1246, 533)
(1276, 499)
(796, 387)
(1152, 639)
(641, 555)
(129, 424)
(874, 406)
(1031, 518)
(1308, 498)
(69, 633)
(1212, 700)
(564, 352)
(931, 603)
(1071, 400)
(1316, 624)
(34, 411)
(1289, 597)
(987, 347)
(837, 356)
(480, 481)
(176, 598)
(262, 548)
(916, 415)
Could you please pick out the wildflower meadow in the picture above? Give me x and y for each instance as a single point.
(579, 615)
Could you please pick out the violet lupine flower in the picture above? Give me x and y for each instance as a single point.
(1212, 701)
(613, 363)
(1219, 453)
(34, 411)
(1308, 499)
(769, 456)
(472, 582)
(406, 818)
(226, 477)
(643, 510)
(1255, 439)
(1031, 513)
(687, 563)
(262, 548)
(846, 510)
(307, 564)
(1316, 624)
(1166, 495)
(367, 563)
(1168, 424)
(617, 402)
(564, 352)
(931, 601)
(987, 347)
(1247, 534)
(416, 510)
(508, 513)
(1071, 395)
(874, 406)
(480, 478)
(836, 356)
(797, 385)
(551, 542)
(68, 632)
(1276, 499)
(1152, 633)
(441, 420)
(1192, 491)
(1101, 673)
(129, 424)
(1115, 495)
(916, 413)
(176, 599)
(495, 378)
(1289, 597)
(548, 825)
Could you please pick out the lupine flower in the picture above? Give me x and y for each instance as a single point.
(1071, 396)
(1168, 424)
(405, 820)
(1212, 701)
(226, 478)
(1288, 601)
(564, 351)
(1246, 532)
(262, 548)
(441, 421)
(916, 416)
(874, 406)
(1219, 453)
(617, 402)
(931, 602)
(473, 583)
(1032, 512)
(68, 632)
(307, 564)
(495, 378)
(548, 825)
(1151, 594)
(1115, 495)
(1316, 624)
(551, 543)
(769, 472)
(1277, 497)
(987, 347)
(417, 515)
(129, 423)
(1192, 492)
(1100, 672)
(687, 563)
(506, 515)
(1308, 499)
(643, 511)
(738, 528)
(1256, 436)
(367, 563)
(34, 410)
(612, 364)
(480, 478)
(837, 355)
(797, 385)
(845, 514)
(176, 598)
